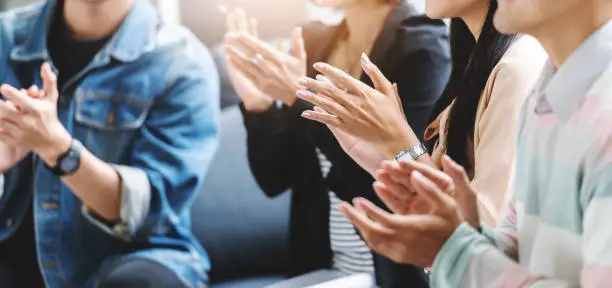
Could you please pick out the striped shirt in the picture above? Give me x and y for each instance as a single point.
(350, 253)
(556, 232)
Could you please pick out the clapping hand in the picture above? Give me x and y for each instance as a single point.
(374, 115)
(417, 238)
(12, 154)
(252, 98)
(272, 71)
(31, 123)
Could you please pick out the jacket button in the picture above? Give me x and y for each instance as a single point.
(9, 222)
(111, 117)
(49, 265)
(49, 206)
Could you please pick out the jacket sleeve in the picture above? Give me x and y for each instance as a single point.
(424, 69)
(277, 141)
(173, 150)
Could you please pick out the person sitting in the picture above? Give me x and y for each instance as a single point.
(555, 231)
(288, 152)
(101, 162)
(491, 78)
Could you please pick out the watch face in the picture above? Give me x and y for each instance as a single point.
(69, 163)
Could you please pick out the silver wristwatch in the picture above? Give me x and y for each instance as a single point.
(413, 153)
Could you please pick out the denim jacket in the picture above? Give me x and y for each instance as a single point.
(148, 104)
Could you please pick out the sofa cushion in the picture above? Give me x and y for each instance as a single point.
(244, 232)
(254, 282)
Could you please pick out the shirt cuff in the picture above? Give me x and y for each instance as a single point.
(135, 203)
(453, 260)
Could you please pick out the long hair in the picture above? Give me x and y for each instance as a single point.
(473, 62)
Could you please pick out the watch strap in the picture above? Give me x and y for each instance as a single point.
(413, 153)
(73, 151)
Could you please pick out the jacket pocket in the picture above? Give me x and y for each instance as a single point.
(107, 123)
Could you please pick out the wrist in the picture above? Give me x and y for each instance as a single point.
(57, 146)
(394, 147)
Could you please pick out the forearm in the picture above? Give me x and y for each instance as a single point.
(468, 259)
(98, 185)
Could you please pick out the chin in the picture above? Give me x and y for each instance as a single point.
(505, 24)
(434, 13)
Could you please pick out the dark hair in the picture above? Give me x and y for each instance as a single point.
(473, 62)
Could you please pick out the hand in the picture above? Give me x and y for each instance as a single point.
(273, 71)
(32, 123)
(253, 99)
(409, 239)
(365, 154)
(10, 154)
(374, 115)
(395, 188)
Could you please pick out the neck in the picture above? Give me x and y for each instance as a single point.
(93, 20)
(576, 26)
(364, 22)
(475, 17)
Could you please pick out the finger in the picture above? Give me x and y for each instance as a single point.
(230, 21)
(258, 46)
(329, 90)
(401, 176)
(33, 91)
(430, 191)
(49, 82)
(441, 179)
(298, 47)
(17, 97)
(242, 62)
(402, 192)
(241, 20)
(455, 171)
(8, 110)
(324, 102)
(283, 46)
(381, 83)
(6, 137)
(324, 118)
(338, 76)
(240, 69)
(374, 212)
(393, 203)
(10, 128)
(365, 225)
(253, 27)
(327, 80)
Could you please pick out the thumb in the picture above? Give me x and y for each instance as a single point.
(399, 101)
(49, 82)
(298, 47)
(458, 174)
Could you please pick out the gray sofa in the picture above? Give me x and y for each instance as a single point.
(244, 232)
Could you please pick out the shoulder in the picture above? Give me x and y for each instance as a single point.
(183, 53)
(16, 24)
(519, 69)
(523, 62)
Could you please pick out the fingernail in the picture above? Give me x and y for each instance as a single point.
(318, 66)
(303, 81)
(306, 114)
(365, 58)
(417, 174)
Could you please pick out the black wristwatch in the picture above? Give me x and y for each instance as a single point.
(69, 162)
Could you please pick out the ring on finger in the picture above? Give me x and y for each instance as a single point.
(257, 59)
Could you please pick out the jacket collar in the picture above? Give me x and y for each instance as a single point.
(134, 37)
